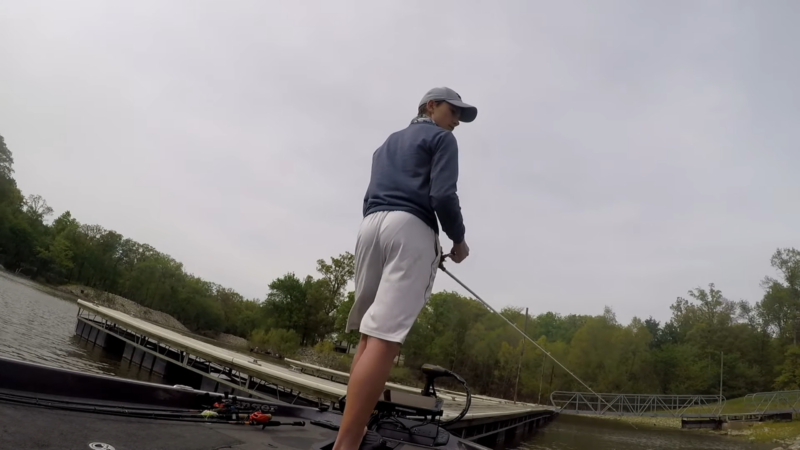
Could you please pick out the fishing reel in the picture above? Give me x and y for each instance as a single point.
(231, 409)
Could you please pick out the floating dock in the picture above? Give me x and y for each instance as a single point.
(205, 366)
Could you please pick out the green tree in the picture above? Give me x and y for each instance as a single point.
(789, 378)
(337, 274)
(6, 160)
(780, 307)
(341, 316)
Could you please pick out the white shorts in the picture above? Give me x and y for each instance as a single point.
(396, 259)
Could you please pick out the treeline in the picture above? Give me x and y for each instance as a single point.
(62, 250)
(66, 251)
(756, 343)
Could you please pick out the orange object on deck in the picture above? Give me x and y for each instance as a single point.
(259, 418)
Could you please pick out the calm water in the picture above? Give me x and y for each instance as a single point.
(38, 327)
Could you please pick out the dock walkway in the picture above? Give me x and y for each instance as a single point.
(188, 351)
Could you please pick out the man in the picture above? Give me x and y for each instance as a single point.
(414, 177)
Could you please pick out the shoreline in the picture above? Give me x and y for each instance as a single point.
(75, 292)
(785, 434)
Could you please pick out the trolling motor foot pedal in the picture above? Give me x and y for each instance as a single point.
(371, 441)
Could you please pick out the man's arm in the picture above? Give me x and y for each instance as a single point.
(444, 178)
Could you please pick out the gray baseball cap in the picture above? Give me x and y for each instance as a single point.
(468, 112)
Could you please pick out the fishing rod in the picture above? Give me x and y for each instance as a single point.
(221, 413)
(442, 268)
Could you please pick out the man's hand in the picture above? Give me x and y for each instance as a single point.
(459, 252)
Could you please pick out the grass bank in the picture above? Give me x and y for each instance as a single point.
(645, 422)
(783, 433)
(786, 434)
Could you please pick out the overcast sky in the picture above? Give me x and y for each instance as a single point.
(624, 152)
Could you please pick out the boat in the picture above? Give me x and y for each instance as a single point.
(47, 407)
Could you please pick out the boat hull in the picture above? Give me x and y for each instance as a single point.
(65, 409)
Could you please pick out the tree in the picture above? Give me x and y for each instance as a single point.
(58, 257)
(777, 310)
(311, 307)
(36, 208)
(278, 341)
(337, 274)
(780, 307)
(6, 160)
(789, 379)
(342, 314)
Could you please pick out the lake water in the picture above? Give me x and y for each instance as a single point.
(38, 327)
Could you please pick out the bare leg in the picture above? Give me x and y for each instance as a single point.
(364, 389)
(362, 344)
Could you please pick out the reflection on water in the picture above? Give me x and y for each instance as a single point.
(38, 327)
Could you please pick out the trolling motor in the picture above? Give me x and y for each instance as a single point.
(427, 430)
(401, 416)
(433, 372)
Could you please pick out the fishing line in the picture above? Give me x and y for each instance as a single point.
(441, 267)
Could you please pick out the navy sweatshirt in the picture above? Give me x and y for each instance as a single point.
(416, 171)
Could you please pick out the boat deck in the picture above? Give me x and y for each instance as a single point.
(481, 406)
(27, 427)
(308, 384)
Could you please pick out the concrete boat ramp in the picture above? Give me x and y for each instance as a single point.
(201, 365)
